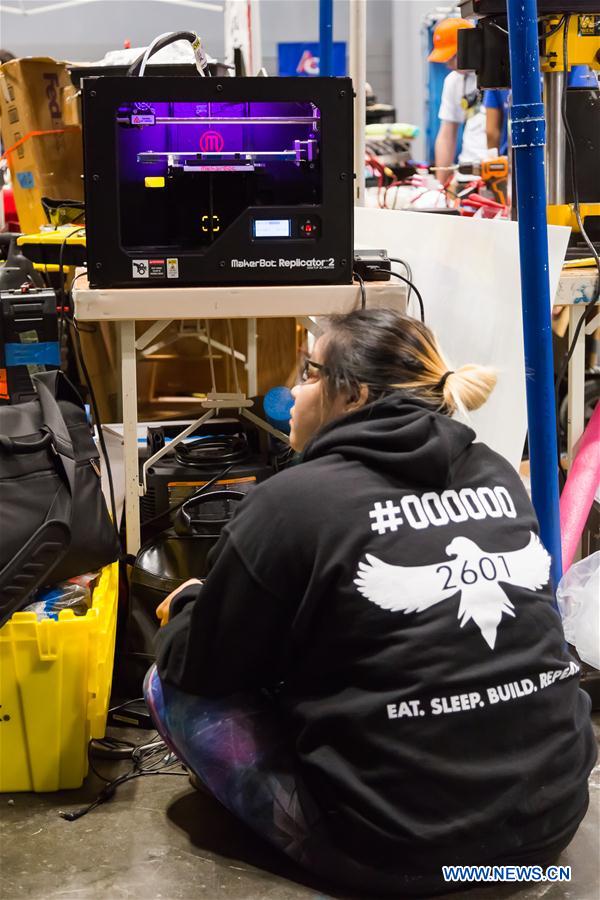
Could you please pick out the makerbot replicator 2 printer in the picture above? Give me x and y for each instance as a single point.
(212, 181)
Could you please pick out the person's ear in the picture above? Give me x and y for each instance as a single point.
(358, 401)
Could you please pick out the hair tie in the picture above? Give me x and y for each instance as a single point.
(444, 379)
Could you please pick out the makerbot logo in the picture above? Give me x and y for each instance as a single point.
(283, 263)
(211, 142)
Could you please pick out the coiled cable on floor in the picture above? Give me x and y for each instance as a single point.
(149, 758)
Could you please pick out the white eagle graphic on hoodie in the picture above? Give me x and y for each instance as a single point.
(477, 574)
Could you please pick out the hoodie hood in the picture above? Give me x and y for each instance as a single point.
(398, 435)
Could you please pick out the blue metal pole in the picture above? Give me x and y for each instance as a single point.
(528, 139)
(326, 37)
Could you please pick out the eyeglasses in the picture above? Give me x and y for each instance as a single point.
(309, 370)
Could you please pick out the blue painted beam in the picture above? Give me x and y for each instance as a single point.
(528, 139)
(326, 37)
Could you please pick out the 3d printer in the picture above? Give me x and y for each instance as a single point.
(218, 180)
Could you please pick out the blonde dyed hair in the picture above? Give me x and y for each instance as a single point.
(388, 351)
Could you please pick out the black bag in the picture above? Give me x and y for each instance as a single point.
(54, 523)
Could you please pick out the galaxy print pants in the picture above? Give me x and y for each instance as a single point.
(237, 749)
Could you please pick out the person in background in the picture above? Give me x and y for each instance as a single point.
(496, 104)
(460, 104)
(373, 675)
(497, 107)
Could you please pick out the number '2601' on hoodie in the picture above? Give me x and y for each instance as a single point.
(395, 586)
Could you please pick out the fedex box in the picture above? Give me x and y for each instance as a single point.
(41, 135)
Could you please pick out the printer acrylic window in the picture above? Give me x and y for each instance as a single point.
(189, 170)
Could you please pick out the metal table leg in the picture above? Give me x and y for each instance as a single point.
(130, 448)
(252, 358)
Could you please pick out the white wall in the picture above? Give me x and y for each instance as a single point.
(408, 61)
(87, 32)
(395, 65)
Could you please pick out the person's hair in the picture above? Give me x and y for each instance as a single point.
(388, 351)
(6, 56)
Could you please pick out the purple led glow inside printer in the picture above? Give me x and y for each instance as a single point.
(172, 156)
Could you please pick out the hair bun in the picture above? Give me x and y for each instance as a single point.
(468, 387)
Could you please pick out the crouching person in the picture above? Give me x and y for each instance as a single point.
(373, 676)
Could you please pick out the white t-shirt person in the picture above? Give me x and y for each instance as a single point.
(461, 104)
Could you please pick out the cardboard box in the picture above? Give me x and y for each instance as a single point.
(39, 113)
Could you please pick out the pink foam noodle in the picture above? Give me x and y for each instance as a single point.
(578, 494)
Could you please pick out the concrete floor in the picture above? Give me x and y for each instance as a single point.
(158, 839)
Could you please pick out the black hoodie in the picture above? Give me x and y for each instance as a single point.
(394, 584)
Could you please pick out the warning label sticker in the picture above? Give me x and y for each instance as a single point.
(139, 119)
(589, 25)
(173, 268)
(139, 268)
(157, 268)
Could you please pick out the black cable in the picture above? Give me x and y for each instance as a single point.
(197, 493)
(86, 375)
(77, 277)
(93, 769)
(67, 204)
(110, 743)
(548, 34)
(204, 452)
(559, 378)
(89, 328)
(408, 270)
(576, 205)
(61, 283)
(153, 758)
(88, 381)
(406, 281)
(284, 459)
(498, 27)
(109, 748)
(102, 442)
(363, 293)
(61, 292)
(573, 156)
(108, 792)
(553, 31)
(126, 704)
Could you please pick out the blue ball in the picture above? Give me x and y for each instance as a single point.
(277, 405)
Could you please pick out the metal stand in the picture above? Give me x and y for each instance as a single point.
(213, 403)
(185, 330)
(129, 393)
(358, 73)
(528, 144)
(149, 343)
(126, 306)
(555, 137)
(215, 400)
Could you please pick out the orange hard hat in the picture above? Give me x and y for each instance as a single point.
(445, 39)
